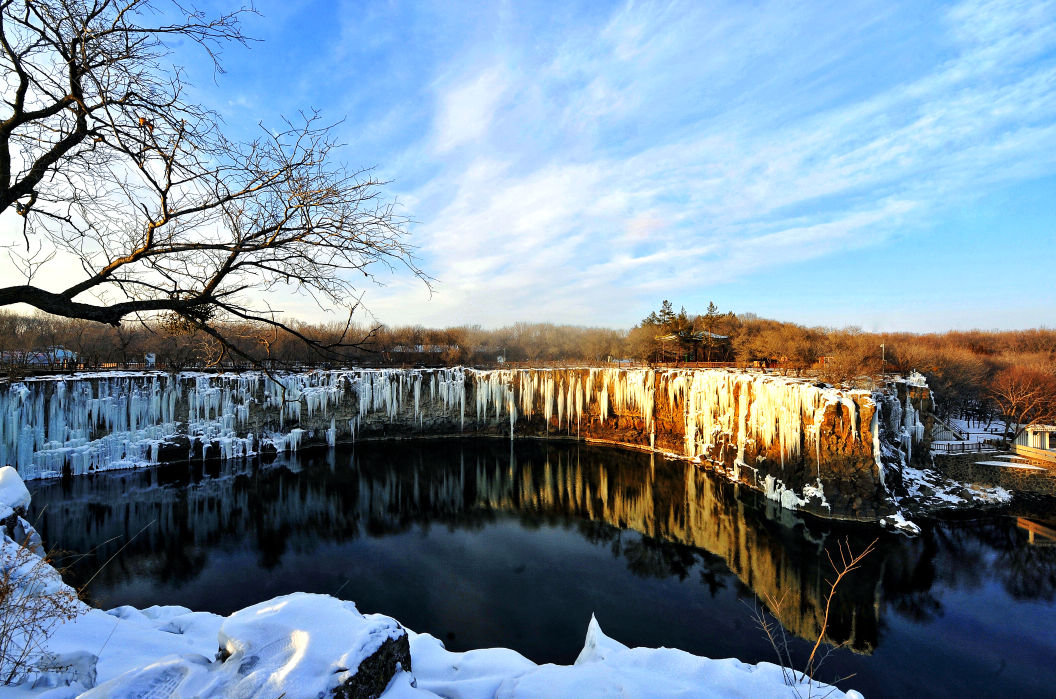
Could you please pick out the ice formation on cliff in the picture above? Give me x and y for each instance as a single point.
(100, 421)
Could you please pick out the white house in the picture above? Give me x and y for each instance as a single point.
(1038, 437)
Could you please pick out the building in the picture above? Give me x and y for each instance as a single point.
(1038, 437)
(1037, 442)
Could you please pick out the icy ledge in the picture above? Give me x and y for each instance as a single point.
(305, 646)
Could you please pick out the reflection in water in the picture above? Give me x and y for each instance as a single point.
(661, 520)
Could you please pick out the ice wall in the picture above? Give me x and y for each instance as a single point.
(779, 434)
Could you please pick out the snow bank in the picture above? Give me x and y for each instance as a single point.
(13, 492)
(300, 646)
(605, 668)
(307, 646)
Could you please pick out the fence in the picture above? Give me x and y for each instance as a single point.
(1035, 530)
(47, 369)
(944, 431)
(968, 447)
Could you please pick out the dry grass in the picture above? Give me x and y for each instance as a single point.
(33, 603)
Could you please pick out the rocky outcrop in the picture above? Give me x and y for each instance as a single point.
(300, 646)
(377, 670)
(805, 445)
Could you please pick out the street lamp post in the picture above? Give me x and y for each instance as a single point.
(883, 364)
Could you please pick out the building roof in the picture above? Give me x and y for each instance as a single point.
(697, 336)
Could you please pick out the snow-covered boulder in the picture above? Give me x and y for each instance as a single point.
(14, 502)
(13, 492)
(303, 644)
(299, 646)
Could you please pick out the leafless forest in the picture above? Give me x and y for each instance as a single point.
(969, 370)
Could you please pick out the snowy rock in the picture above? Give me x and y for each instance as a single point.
(900, 523)
(23, 534)
(304, 644)
(76, 669)
(300, 646)
(13, 492)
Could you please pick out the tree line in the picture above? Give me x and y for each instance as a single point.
(967, 369)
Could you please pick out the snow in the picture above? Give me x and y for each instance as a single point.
(1010, 464)
(305, 645)
(925, 486)
(300, 645)
(898, 522)
(915, 378)
(13, 492)
(605, 668)
(475, 673)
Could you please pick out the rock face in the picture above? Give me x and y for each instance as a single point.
(377, 670)
(807, 446)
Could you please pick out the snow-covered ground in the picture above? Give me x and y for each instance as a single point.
(304, 646)
(975, 432)
(928, 491)
(318, 643)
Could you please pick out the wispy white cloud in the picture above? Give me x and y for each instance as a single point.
(668, 149)
(465, 112)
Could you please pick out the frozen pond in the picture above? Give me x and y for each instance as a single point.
(486, 544)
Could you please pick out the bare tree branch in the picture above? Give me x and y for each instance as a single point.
(108, 164)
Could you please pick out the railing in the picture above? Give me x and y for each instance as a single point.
(698, 365)
(968, 447)
(1034, 530)
(942, 429)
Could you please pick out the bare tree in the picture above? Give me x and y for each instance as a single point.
(1025, 396)
(807, 679)
(108, 164)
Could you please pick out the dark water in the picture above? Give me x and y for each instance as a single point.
(484, 543)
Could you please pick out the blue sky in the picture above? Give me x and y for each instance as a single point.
(884, 164)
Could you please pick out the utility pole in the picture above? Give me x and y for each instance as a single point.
(883, 364)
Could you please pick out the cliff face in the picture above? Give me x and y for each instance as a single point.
(805, 446)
